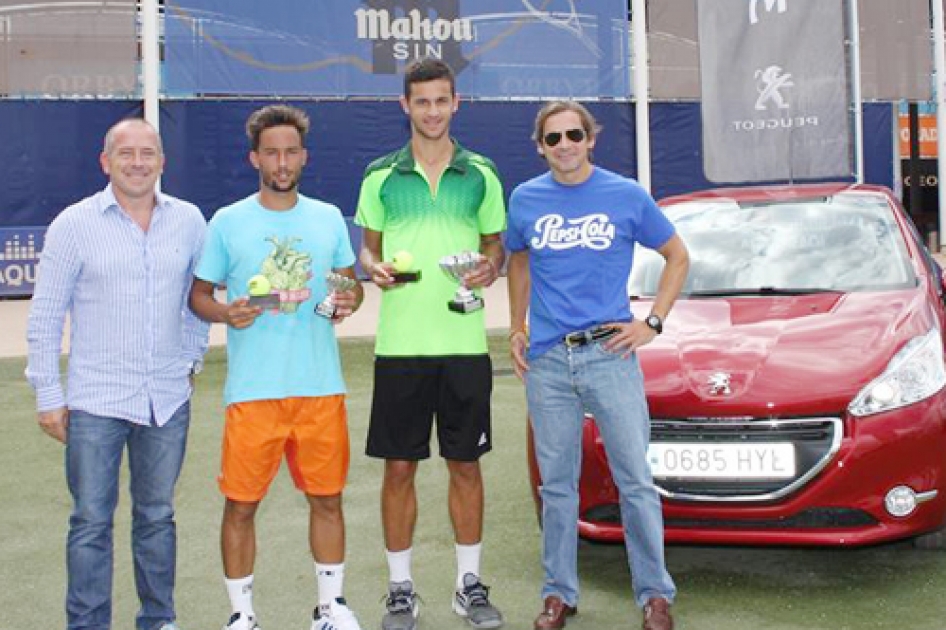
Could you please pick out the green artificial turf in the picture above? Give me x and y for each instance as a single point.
(720, 588)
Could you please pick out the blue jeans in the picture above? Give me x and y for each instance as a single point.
(93, 458)
(560, 386)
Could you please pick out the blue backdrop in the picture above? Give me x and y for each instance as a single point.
(50, 149)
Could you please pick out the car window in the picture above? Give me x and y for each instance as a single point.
(928, 260)
(849, 242)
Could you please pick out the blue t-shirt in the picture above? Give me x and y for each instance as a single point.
(581, 246)
(289, 350)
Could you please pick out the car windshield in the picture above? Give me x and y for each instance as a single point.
(848, 242)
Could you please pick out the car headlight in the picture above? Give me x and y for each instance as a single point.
(915, 373)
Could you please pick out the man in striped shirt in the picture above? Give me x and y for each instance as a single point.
(120, 264)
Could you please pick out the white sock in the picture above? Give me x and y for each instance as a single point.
(240, 591)
(330, 579)
(468, 561)
(399, 565)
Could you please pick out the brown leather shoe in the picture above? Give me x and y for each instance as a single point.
(553, 614)
(657, 614)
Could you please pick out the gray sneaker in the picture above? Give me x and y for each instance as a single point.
(403, 607)
(472, 603)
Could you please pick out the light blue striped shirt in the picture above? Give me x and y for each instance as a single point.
(132, 335)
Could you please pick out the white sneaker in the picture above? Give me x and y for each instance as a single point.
(239, 621)
(336, 616)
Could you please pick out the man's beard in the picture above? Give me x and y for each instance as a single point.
(272, 184)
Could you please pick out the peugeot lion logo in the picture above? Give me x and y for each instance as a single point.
(771, 81)
(719, 384)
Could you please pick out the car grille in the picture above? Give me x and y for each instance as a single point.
(815, 518)
(815, 441)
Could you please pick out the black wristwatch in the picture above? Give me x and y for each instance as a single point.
(655, 322)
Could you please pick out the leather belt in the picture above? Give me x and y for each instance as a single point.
(584, 337)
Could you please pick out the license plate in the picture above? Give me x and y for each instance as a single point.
(692, 460)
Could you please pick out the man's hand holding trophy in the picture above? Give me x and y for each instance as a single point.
(336, 303)
(461, 267)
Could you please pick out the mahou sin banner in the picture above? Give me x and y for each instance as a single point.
(775, 90)
(352, 48)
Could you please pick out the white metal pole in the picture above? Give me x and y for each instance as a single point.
(150, 64)
(856, 89)
(895, 141)
(939, 65)
(150, 60)
(641, 90)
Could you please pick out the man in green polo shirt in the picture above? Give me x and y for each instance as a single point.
(433, 199)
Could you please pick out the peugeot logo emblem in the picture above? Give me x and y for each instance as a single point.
(771, 81)
(719, 384)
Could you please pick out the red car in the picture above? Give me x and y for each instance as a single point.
(797, 391)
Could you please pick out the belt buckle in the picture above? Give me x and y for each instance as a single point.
(575, 339)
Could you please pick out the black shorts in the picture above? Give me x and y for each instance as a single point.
(410, 391)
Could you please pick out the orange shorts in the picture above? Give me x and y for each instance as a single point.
(311, 431)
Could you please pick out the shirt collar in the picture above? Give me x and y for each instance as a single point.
(405, 163)
(111, 202)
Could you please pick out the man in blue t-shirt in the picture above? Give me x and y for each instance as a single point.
(571, 236)
(284, 393)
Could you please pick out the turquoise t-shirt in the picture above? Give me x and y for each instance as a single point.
(289, 351)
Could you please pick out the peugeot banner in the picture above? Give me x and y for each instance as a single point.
(775, 97)
(359, 48)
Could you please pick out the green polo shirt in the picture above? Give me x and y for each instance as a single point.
(397, 200)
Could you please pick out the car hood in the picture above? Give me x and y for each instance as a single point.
(776, 355)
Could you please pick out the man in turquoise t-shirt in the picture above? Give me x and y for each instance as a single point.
(284, 391)
(431, 199)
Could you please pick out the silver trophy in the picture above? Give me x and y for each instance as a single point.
(335, 282)
(456, 266)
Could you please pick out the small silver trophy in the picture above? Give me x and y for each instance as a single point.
(335, 282)
(456, 266)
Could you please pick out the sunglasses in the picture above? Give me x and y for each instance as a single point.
(554, 137)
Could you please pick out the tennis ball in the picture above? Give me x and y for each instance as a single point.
(402, 261)
(259, 285)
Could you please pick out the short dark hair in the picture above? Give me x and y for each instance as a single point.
(588, 122)
(427, 69)
(276, 116)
